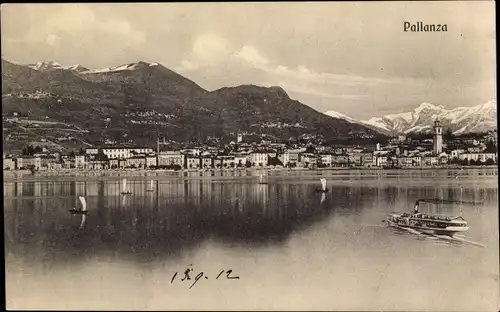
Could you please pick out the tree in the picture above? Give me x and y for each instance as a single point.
(32, 169)
(448, 135)
(310, 149)
(101, 156)
(465, 162)
(489, 162)
(455, 161)
(491, 147)
(28, 150)
(274, 161)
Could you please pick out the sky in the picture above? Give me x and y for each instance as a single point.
(351, 57)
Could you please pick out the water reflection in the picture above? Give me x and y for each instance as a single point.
(282, 237)
(181, 215)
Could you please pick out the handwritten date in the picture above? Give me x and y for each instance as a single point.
(187, 277)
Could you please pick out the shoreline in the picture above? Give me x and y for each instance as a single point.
(20, 174)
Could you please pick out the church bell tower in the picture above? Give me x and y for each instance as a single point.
(438, 138)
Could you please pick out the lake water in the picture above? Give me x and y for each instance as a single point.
(290, 248)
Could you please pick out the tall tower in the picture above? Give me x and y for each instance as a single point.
(239, 137)
(438, 138)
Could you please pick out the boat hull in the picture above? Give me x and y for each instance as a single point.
(76, 211)
(449, 230)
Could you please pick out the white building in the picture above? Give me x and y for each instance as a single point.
(482, 157)
(124, 153)
(325, 159)
(170, 158)
(120, 153)
(80, 161)
(258, 159)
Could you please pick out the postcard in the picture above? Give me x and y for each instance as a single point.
(233, 156)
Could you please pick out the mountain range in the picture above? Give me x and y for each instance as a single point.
(460, 120)
(142, 100)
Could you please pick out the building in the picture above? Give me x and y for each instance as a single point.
(366, 159)
(170, 158)
(325, 160)
(124, 153)
(290, 157)
(340, 160)
(227, 161)
(193, 162)
(92, 151)
(240, 160)
(258, 159)
(97, 164)
(239, 138)
(114, 164)
(479, 157)
(80, 162)
(151, 161)
(308, 160)
(9, 164)
(355, 159)
(136, 162)
(46, 161)
(380, 161)
(438, 138)
(430, 161)
(27, 162)
(207, 162)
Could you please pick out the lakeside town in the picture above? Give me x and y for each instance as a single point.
(399, 152)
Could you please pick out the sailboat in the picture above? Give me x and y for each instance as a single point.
(323, 188)
(83, 210)
(124, 191)
(261, 179)
(151, 187)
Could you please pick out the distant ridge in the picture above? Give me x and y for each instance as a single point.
(459, 120)
(142, 99)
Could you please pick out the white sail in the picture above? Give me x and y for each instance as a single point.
(124, 184)
(152, 184)
(260, 178)
(323, 184)
(84, 203)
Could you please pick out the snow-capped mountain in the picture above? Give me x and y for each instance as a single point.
(47, 66)
(338, 115)
(459, 120)
(131, 66)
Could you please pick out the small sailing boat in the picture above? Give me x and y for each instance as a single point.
(83, 210)
(151, 186)
(261, 179)
(323, 188)
(124, 190)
